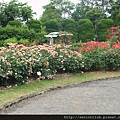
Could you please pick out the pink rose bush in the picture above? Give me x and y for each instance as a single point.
(19, 62)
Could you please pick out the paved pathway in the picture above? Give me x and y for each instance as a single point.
(98, 97)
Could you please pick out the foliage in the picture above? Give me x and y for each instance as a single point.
(18, 62)
(24, 41)
(80, 10)
(15, 23)
(57, 9)
(117, 20)
(49, 13)
(85, 30)
(115, 10)
(94, 14)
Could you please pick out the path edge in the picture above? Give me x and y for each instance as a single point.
(29, 96)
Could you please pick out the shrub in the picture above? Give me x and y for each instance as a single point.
(66, 61)
(1, 43)
(117, 20)
(19, 33)
(85, 30)
(10, 40)
(99, 56)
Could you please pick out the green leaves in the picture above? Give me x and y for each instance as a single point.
(15, 10)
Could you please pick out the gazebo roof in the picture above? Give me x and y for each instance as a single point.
(56, 34)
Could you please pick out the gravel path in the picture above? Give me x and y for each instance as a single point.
(96, 97)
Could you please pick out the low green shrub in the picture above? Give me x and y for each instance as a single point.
(10, 40)
(23, 41)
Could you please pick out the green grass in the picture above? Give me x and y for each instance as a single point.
(14, 93)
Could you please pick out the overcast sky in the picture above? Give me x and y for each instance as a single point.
(37, 5)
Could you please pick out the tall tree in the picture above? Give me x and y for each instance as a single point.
(14, 10)
(27, 13)
(80, 10)
(115, 10)
(105, 5)
(94, 14)
(65, 6)
(117, 20)
(50, 12)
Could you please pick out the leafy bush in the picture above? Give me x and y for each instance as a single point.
(1, 43)
(117, 20)
(35, 25)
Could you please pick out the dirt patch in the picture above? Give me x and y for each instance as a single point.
(66, 75)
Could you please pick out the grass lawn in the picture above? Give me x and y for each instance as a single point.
(9, 95)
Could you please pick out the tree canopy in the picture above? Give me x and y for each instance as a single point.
(14, 10)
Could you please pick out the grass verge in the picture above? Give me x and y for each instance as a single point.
(14, 93)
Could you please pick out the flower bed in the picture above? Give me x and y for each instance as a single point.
(100, 56)
(18, 62)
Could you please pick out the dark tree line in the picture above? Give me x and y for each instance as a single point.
(83, 20)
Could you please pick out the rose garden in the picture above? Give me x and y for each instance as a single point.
(18, 62)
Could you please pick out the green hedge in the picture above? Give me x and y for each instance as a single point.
(85, 30)
(20, 33)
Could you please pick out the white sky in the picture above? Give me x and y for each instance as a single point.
(37, 5)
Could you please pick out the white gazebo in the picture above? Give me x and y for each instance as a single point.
(51, 36)
(64, 37)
